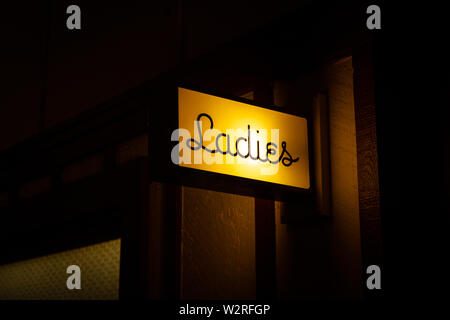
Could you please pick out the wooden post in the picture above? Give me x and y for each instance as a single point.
(265, 237)
(367, 156)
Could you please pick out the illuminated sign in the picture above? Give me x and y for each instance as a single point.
(238, 139)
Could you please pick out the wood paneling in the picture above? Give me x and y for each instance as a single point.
(366, 143)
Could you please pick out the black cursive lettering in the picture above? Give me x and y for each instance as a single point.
(285, 157)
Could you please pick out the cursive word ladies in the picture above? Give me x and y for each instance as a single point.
(285, 158)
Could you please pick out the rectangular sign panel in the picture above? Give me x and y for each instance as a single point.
(238, 139)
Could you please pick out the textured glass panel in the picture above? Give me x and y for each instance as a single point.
(45, 277)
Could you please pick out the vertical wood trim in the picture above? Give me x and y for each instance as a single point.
(265, 249)
(265, 236)
(321, 154)
(167, 206)
(164, 241)
(367, 160)
(174, 262)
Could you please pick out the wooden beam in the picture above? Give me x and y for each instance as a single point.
(265, 237)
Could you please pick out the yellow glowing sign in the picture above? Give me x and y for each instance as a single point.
(234, 138)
